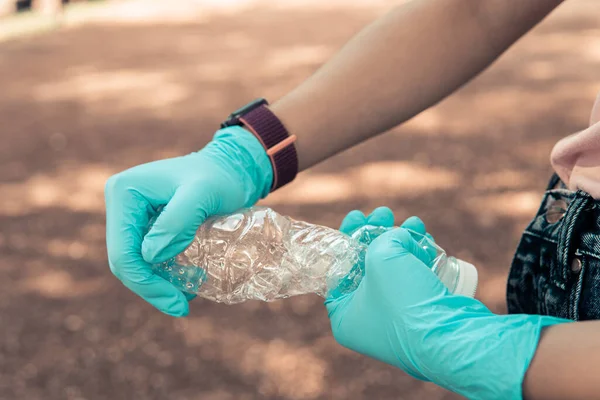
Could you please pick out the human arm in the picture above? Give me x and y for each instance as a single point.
(565, 365)
(400, 65)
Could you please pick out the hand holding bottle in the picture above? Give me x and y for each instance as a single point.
(231, 172)
(403, 315)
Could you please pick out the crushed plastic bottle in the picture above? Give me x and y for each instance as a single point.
(258, 254)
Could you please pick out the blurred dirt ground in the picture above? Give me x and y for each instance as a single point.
(133, 85)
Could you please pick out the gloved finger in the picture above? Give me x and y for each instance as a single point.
(395, 243)
(407, 240)
(189, 296)
(418, 231)
(398, 265)
(352, 221)
(176, 226)
(127, 216)
(381, 216)
(414, 224)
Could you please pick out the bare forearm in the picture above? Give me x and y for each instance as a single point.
(400, 65)
(566, 363)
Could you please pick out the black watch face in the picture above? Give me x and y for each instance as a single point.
(233, 119)
(230, 122)
(248, 107)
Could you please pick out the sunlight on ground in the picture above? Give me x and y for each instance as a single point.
(124, 90)
(377, 180)
(503, 179)
(517, 106)
(160, 12)
(428, 121)
(593, 47)
(293, 57)
(61, 285)
(78, 188)
(540, 70)
(519, 204)
(164, 92)
(281, 369)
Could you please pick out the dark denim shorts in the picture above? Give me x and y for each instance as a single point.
(556, 269)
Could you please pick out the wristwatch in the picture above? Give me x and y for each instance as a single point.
(257, 118)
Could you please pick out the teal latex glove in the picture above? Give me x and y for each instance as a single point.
(403, 315)
(233, 171)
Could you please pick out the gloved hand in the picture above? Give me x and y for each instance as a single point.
(403, 315)
(233, 171)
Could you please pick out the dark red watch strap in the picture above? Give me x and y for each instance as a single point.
(277, 141)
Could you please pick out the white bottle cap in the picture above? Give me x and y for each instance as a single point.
(467, 279)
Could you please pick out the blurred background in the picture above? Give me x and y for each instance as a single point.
(88, 89)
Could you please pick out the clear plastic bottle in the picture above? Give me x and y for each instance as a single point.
(257, 254)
